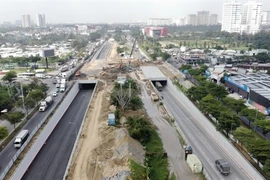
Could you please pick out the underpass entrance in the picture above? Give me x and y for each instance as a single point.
(155, 76)
(87, 84)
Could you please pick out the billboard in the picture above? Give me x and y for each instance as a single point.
(46, 52)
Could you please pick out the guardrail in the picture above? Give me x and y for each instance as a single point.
(78, 135)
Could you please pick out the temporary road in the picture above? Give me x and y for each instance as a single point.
(52, 160)
(208, 144)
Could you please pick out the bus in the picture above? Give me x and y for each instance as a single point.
(159, 86)
(23, 75)
(21, 138)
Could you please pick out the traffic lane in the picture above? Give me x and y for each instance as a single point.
(8, 153)
(206, 152)
(170, 140)
(200, 148)
(233, 155)
(52, 160)
(236, 169)
(104, 51)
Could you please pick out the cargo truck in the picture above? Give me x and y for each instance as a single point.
(45, 103)
(159, 86)
(194, 163)
(154, 96)
(62, 87)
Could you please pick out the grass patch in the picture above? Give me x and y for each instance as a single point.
(172, 177)
(138, 172)
(156, 161)
(156, 158)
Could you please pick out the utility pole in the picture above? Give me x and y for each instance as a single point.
(23, 99)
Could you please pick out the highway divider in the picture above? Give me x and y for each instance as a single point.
(41, 140)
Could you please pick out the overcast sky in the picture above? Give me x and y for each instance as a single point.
(104, 11)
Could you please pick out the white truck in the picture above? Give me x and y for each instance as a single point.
(45, 103)
(62, 87)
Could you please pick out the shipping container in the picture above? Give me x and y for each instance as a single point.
(194, 163)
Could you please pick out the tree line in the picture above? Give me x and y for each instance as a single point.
(33, 93)
(212, 99)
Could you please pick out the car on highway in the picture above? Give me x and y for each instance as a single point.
(55, 81)
(55, 94)
(57, 90)
(57, 85)
(223, 166)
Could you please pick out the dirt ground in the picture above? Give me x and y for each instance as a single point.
(103, 151)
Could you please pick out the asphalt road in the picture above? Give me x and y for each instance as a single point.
(170, 139)
(52, 160)
(7, 154)
(104, 51)
(208, 144)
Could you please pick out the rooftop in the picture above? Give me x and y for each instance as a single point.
(259, 83)
(153, 73)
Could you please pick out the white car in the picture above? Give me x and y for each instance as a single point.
(54, 94)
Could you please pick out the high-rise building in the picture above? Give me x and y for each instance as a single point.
(231, 17)
(160, 22)
(180, 21)
(266, 17)
(26, 20)
(192, 19)
(203, 17)
(251, 17)
(41, 20)
(213, 19)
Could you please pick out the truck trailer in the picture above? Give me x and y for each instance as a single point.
(45, 103)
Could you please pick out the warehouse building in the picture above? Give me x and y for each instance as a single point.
(253, 87)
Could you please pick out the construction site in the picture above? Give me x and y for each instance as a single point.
(104, 152)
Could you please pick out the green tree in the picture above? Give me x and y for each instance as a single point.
(36, 95)
(9, 76)
(234, 104)
(266, 169)
(252, 114)
(268, 72)
(228, 121)
(244, 135)
(136, 103)
(204, 44)
(14, 117)
(197, 93)
(180, 44)
(3, 132)
(165, 56)
(259, 148)
(139, 129)
(262, 57)
(264, 124)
